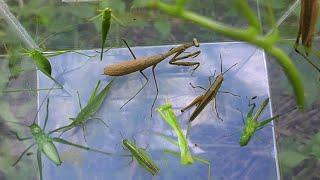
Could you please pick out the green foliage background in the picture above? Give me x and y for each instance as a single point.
(56, 25)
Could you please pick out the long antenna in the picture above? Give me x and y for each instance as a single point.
(35, 117)
(229, 68)
(220, 64)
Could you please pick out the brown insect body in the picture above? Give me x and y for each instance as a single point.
(207, 97)
(127, 67)
(307, 24)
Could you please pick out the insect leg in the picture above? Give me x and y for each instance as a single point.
(39, 163)
(99, 119)
(25, 151)
(130, 162)
(197, 100)
(215, 107)
(84, 132)
(20, 138)
(79, 100)
(144, 85)
(242, 117)
(214, 74)
(141, 72)
(228, 92)
(307, 59)
(175, 58)
(62, 141)
(157, 89)
(197, 86)
(125, 42)
(47, 115)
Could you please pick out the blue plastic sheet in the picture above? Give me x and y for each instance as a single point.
(210, 138)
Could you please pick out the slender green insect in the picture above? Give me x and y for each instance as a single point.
(86, 113)
(185, 154)
(106, 15)
(252, 125)
(105, 26)
(45, 144)
(142, 157)
(168, 115)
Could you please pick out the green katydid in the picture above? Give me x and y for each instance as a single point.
(45, 144)
(95, 102)
(106, 15)
(142, 157)
(185, 154)
(252, 125)
(105, 26)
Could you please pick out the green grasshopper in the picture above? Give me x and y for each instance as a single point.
(93, 105)
(142, 157)
(252, 125)
(185, 154)
(45, 144)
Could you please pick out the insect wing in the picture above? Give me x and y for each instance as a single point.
(50, 150)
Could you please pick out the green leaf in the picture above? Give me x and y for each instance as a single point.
(140, 3)
(291, 158)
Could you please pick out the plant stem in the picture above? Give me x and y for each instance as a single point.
(249, 35)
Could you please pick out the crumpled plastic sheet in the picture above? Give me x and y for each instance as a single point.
(216, 140)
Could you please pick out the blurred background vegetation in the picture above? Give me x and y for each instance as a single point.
(58, 25)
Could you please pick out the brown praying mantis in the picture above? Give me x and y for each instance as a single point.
(203, 100)
(307, 27)
(140, 64)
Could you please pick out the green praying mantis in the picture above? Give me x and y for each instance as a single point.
(168, 115)
(252, 125)
(45, 143)
(95, 102)
(186, 158)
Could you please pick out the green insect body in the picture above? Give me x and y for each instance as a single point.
(105, 26)
(142, 157)
(45, 143)
(168, 115)
(46, 146)
(252, 125)
(93, 105)
(41, 61)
